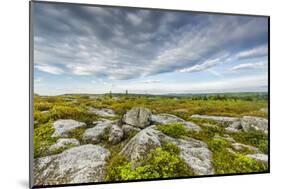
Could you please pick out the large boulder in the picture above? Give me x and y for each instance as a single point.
(105, 130)
(82, 164)
(251, 123)
(193, 152)
(99, 132)
(64, 126)
(63, 143)
(128, 129)
(115, 134)
(169, 118)
(138, 117)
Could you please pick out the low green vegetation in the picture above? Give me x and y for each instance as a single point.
(174, 129)
(160, 163)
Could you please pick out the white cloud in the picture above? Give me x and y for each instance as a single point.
(255, 52)
(134, 19)
(247, 66)
(150, 81)
(50, 69)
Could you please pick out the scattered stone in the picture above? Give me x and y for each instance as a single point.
(138, 117)
(64, 126)
(265, 110)
(64, 143)
(104, 112)
(234, 127)
(82, 164)
(195, 153)
(263, 158)
(239, 146)
(115, 134)
(169, 118)
(98, 132)
(127, 129)
(224, 137)
(251, 123)
(220, 119)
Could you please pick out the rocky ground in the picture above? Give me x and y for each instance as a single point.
(134, 136)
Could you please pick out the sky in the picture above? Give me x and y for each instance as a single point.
(86, 49)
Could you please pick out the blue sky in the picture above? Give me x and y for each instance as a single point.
(83, 49)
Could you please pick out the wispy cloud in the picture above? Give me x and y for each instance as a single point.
(255, 52)
(50, 69)
(247, 66)
(150, 81)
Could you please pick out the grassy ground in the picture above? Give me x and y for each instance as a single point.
(49, 109)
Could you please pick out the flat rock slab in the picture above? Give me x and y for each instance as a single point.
(169, 118)
(195, 153)
(259, 157)
(64, 143)
(64, 126)
(104, 112)
(82, 164)
(220, 119)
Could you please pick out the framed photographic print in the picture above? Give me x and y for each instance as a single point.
(122, 94)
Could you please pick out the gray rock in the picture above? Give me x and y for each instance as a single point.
(64, 143)
(220, 119)
(98, 132)
(82, 164)
(115, 134)
(234, 127)
(127, 129)
(239, 146)
(224, 137)
(263, 158)
(194, 152)
(138, 117)
(251, 123)
(64, 126)
(169, 118)
(104, 112)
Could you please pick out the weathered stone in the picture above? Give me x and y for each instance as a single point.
(220, 119)
(115, 134)
(234, 127)
(194, 152)
(99, 132)
(263, 158)
(128, 129)
(104, 112)
(251, 123)
(239, 146)
(82, 164)
(224, 137)
(138, 117)
(64, 143)
(64, 126)
(169, 118)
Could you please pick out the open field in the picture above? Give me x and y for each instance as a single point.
(221, 150)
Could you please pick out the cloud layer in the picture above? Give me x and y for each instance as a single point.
(124, 43)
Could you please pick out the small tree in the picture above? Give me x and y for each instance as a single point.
(126, 93)
(110, 94)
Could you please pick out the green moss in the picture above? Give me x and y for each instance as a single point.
(174, 129)
(161, 163)
(43, 139)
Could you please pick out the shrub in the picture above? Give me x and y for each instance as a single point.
(161, 163)
(76, 113)
(174, 129)
(43, 139)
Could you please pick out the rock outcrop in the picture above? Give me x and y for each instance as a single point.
(64, 126)
(195, 153)
(63, 143)
(138, 117)
(221, 119)
(82, 164)
(263, 158)
(103, 130)
(169, 118)
(250, 123)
